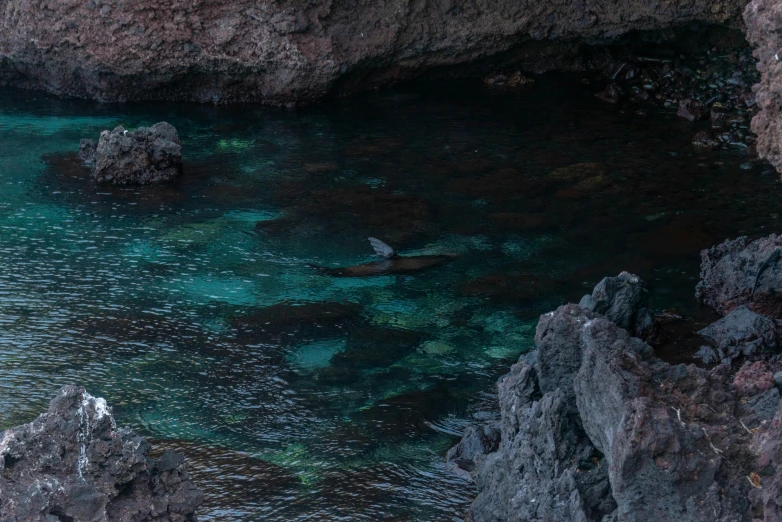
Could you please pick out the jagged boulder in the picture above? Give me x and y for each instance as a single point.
(73, 463)
(743, 272)
(623, 300)
(673, 447)
(595, 428)
(477, 442)
(740, 333)
(544, 468)
(148, 155)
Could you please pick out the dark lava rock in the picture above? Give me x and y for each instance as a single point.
(671, 443)
(544, 468)
(741, 332)
(73, 464)
(765, 405)
(597, 428)
(743, 272)
(692, 110)
(476, 442)
(558, 342)
(621, 299)
(87, 150)
(149, 155)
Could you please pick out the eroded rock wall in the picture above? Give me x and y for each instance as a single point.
(763, 19)
(294, 50)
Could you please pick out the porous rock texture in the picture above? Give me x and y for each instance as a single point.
(763, 19)
(740, 333)
(73, 464)
(148, 155)
(622, 299)
(596, 428)
(291, 51)
(743, 272)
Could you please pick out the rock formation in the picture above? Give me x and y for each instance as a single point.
(149, 155)
(72, 463)
(763, 19)
(595, 428)
(294, 51)
(743, 272)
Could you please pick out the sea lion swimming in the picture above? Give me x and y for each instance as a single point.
(392, 263)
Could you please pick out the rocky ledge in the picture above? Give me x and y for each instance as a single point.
(295, 51)
(148, 155)
(73, 464)
(595, 427)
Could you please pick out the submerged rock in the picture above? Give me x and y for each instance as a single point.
(148, 155)
(72, 463)
(743, 272)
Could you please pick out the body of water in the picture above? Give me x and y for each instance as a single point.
(202, 313)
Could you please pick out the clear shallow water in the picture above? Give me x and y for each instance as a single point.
(197, 310)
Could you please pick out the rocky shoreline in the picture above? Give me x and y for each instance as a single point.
(296, 53)
(73, 464)
(595, 427)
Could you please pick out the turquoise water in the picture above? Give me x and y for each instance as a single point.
(199, 313)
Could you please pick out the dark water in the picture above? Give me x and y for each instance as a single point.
(198, 312)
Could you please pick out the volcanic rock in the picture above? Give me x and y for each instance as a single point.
(72, 463)
(762, 18)
(594, 427)
(149, 155)
(743, 272)
(741, 333)
(296, 51)
(476, 442)
(621, 299)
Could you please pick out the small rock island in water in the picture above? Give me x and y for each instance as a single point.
(259, 363)
(148, 155)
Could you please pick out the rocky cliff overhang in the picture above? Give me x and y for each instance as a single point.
(292, 52)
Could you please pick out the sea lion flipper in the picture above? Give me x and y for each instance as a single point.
(382, 249)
